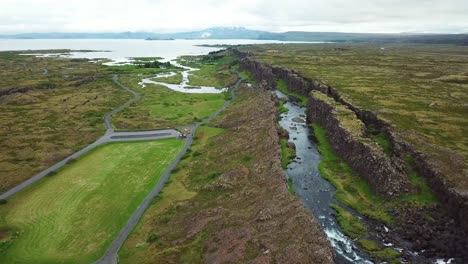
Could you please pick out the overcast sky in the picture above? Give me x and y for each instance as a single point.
(21, 16)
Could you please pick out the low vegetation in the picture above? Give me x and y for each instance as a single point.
(214, 70)
(287, 154)
(53, 107)
(74, 215)
(160, 107)
(351, 189)
(175, 79)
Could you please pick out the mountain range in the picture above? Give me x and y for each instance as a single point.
(244, 33)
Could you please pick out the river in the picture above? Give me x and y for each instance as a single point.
(315, 192)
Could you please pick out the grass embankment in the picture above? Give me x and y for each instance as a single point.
(161, 107)
(351, 189)
(402, 84)
(214, 70)
(287, 153)
(59, 111)
(72, 216)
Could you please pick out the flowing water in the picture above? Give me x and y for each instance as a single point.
(183, 87)
(315, 192)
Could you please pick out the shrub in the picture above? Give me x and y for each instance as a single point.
(152, 237)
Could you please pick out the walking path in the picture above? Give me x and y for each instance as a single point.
(110, 136)
(111, 256)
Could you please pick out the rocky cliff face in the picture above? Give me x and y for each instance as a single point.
(345, 131)
(456, 201)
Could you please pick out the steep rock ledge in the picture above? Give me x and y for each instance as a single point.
(455, 201)
(346, 134)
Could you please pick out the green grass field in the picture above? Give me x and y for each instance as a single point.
(161, 107)
(72, 216)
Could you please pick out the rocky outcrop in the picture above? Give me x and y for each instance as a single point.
(346, 133)
(455, 201)
(15, 90)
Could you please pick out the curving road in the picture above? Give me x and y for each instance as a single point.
(111, 256)
(110, 136)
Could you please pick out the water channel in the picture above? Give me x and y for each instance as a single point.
(315, 192)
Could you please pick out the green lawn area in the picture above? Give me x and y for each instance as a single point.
(161, 107)
(72, 216)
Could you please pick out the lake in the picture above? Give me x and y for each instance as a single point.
(121, 49)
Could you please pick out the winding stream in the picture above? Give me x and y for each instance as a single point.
(315, 192)
(183, 87)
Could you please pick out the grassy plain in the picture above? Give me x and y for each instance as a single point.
(213, 70)
(72, 216)
(161, 107)
(55, 107)
(421, 90)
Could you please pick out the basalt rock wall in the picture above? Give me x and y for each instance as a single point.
(455, 201)
(346, 134)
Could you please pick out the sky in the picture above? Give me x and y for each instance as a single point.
(378, 16)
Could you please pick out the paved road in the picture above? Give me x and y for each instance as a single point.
(110, 136)
(136, 96)
(111, 256)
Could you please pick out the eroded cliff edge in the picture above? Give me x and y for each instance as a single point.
(347, 128)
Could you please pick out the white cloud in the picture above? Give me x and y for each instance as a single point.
(19, 16)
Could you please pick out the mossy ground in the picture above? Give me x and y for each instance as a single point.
(287, 154)
(351, 189)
